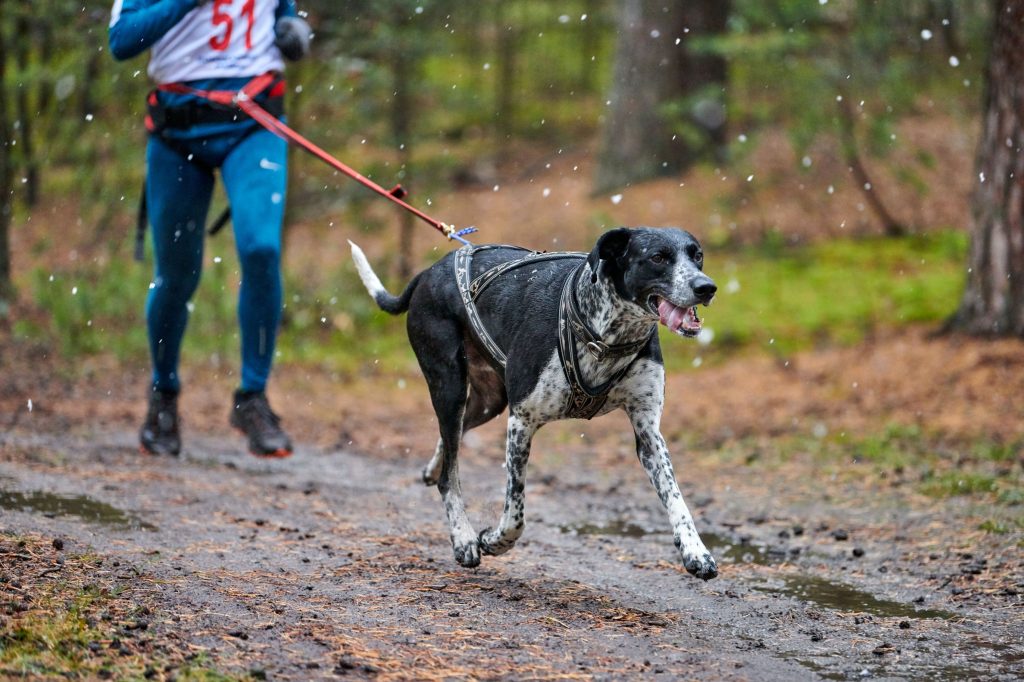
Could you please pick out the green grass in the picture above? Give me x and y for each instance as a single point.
(994, 526)
(903, 455)
(954, 483)
(71, 625)
(895, 447)
(99, 307)
(772, 298)
(57, 642)
(942, 469)
(838, 292)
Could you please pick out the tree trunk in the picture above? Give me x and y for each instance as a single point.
(654, 67)
(703, 70)
(848, 143)
(993, 302)
(590, 34)
(23, 43)
(87, 105)
(505, 82)
(402, 67)
(6, 186)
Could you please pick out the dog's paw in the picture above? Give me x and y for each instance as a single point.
(468, 555)
(703, 567)
(492, 544)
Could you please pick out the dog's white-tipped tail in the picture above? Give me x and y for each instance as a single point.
(394, 305)
(370, 279)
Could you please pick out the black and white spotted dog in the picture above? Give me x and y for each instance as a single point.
(551, 336)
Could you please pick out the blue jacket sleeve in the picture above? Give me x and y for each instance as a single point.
(286, 8)
(137, 24)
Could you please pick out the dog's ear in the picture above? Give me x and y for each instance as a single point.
(610, 247)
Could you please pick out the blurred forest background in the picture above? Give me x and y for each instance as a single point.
(823, 150)
(853, 169)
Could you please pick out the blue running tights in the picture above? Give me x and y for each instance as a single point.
(179, 186)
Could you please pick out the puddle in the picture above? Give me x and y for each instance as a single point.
(81, 506)
(724, 549)
(618, 527)
(1003, 652)
(840, 597)
(832, 667)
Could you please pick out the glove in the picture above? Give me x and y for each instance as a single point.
(292, 36)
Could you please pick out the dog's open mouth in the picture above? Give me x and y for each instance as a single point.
(683, 321)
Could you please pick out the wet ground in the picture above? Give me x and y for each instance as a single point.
(337, 563)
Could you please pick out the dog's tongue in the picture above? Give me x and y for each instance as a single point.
(676, 318)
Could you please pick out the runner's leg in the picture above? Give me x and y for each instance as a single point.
(178, 195)
(255, 175)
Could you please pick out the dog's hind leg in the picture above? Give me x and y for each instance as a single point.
(517, 452)
(442, 359)
(479, 411)
(486, 400)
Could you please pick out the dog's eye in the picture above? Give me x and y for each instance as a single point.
(657, 259)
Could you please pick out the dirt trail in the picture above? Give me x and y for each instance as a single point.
(335, 563)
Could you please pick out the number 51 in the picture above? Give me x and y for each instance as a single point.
(220, 16)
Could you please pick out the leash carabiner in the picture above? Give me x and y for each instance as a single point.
(450, 232)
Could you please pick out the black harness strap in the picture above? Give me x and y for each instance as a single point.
(591, 339)
(584, 401)
(197, 112)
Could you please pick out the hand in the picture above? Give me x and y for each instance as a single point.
(292, 36)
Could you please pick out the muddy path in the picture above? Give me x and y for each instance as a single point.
(336, 563)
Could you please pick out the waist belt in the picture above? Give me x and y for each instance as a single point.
(584, 401)
(268, 89)
(160, 117)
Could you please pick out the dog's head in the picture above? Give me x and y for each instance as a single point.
(658, 272)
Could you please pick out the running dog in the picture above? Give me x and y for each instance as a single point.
(551, 336)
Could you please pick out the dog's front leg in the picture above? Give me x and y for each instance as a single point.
(653, 454)
(517, 452)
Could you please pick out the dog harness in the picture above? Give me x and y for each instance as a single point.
(584, 401)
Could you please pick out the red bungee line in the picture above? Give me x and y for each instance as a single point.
(243, 99)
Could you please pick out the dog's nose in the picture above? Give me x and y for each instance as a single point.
(703, 288)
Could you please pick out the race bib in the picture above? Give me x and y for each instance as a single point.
(220, 39)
